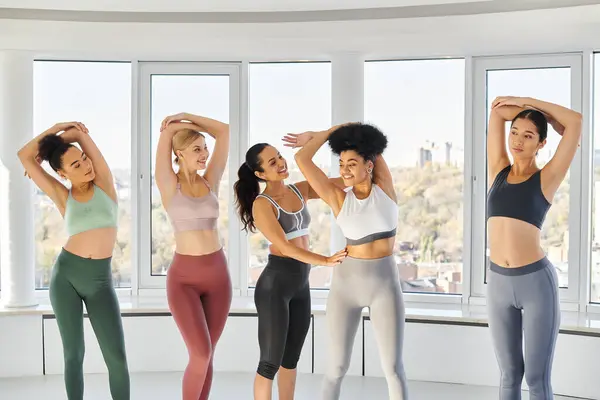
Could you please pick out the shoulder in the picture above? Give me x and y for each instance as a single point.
(98, 189)
(262, 205)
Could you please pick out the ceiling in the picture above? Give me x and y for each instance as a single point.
(263, 11)
(218, 5)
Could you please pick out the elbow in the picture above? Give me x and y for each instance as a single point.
(23, 154)
(287, 249)
(576, 122)
(299, 157)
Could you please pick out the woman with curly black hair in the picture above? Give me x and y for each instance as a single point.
(82, 271)
(367, 214)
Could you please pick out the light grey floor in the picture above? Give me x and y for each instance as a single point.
(235, 386)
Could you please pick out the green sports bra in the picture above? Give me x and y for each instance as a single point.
(98, 212)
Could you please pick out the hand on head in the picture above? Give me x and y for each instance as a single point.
(70, 132)
(68, 126)
(501, 101)
(180, 117)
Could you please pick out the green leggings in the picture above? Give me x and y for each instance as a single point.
(76, 279)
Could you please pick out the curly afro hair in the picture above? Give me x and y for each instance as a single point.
(365, 139)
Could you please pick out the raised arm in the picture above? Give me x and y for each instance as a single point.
(309, 193)
(319, 182)
(567, 123)
(218, 161)
(164, 175)
(104, 178)
(265, 220)
(497, 156)
(383, 177)
(28, 155)
(218, 131)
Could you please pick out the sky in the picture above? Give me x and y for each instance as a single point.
(416, 103)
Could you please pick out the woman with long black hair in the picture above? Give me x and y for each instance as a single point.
(282, 294)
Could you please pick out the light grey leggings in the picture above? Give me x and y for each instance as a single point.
(524, 299)
(359, 283)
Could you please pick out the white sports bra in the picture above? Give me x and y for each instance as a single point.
(369, 219)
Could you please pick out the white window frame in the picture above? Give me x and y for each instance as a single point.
(155, 285)
(570, 297)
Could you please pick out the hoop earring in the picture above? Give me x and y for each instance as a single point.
(369, 170)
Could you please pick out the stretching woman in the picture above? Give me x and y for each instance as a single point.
(198, 281)
(282, 294)
(82, 271)
(522, 283)
(367, 214)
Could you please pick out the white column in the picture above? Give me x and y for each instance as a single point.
(347, 97)
(17, 242)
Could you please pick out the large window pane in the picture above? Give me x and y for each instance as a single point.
(535, 83)
(595, 279)
(292, 97)
(205, 95)
(99, 95)
(419, 105)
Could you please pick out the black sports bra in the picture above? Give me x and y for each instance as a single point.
(523, 201)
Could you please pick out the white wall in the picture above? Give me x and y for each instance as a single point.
(432, 351)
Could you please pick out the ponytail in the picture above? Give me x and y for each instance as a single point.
(246, 189)
(247, 186)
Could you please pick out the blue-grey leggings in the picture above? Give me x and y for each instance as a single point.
(524, 299)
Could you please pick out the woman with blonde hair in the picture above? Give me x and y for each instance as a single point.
(198, 281)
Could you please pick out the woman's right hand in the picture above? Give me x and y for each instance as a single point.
(336, 258)
(173, 118)
(64, 126)
(294, 140)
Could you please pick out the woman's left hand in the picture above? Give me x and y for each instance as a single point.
(71, 135)
(509, 101)
(172, 118)
(294, 140)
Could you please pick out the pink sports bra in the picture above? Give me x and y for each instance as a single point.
(193, 213)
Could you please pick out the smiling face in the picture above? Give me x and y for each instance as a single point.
(195, 156)
(190, 148)
(354, 169)
(524, 139)
(273, 165)
(76, 166)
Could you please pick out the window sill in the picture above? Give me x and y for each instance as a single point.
(452, 314)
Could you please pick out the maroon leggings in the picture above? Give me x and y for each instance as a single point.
(199, 294)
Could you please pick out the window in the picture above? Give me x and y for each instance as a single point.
(206, 95)
(595, 279)
(99, 95)
(561, 233)
(533, 82)
(292, 97)
(426, 157)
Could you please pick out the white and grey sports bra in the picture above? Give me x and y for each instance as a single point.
(369, 219)
(294, 224)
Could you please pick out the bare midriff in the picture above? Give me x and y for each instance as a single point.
(197, 243)
(513, 243)
(96, 243)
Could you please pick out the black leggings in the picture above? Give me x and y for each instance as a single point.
(282, 298)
